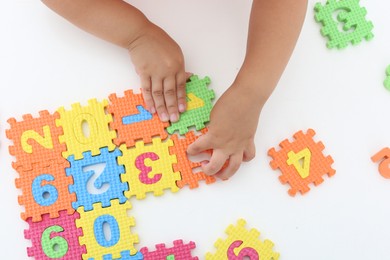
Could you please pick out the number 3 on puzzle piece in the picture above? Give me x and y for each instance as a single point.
(301, 161)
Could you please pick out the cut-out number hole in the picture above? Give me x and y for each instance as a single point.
(95, 184)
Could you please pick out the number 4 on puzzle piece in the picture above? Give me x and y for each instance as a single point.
(301, 162)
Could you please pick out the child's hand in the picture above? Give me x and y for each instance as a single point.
(159, 62)
(232, 128)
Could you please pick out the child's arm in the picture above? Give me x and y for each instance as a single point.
(273, 31)
(157, 58)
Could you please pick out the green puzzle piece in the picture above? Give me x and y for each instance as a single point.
(349, 13)
(171, 257)
(386, 83)
(199, 106)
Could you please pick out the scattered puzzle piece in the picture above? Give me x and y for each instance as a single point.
(45, 191)
(242, 243)
(179, 251)
(349, 13)
(35, 141)
(132, 121)
(198, 106)
(55, 237)
(95, 117)
(383, 157)
(108, 182)
(386, 82)
(185, 166)
(149, 168)
(97, 245)
(292, 154)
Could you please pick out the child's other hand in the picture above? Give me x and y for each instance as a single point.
(159, 62)
(231, 132)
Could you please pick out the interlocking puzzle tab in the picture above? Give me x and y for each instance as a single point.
(383, 157)
(149, 168)
(199, 106)
(349, 13)
(55, 237)
(386, 82)
(97, 120)
(35, 141)
(132, 121)
(301, 162)
(98, 246)
(241, 243)
(177, 252)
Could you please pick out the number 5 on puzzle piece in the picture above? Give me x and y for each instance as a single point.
(198, 106)
(35, 141)
(383, 157)
(149, 168)
(132, 121)
(301, 162)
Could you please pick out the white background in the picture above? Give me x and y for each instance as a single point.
(45, 63)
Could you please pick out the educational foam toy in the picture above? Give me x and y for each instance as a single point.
(108, 182)
(386, 82)
(35, 141)
(383, 157)
(94, 239)
(72, 121)
(149, 168)
(199, 106)
(177, 252)
(132, 121)
(241, 243)
(301, 162)
(45, 191)
(55, 237)
(349, 13)
(185, 166)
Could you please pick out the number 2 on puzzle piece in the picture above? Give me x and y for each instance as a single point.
(35, 141)
(149, 168)
(242, 243)
(198, 107)
(383, 157)
(132, 121)
(301, 162)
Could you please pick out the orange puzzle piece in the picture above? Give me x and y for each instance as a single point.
(301, 162)
(132, 121)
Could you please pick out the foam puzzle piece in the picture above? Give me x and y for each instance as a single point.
(35, 141)
(383, 157)
(199, 106)
(45, 191)
(149, 168)
(97, 245)
(96, 118)
(184, 165)
(288, 160)
(386, 82)
(351, 14)
(108, 182)
(55, 237)
(125, 255)
(241, 243)
(132, 121)
(179, 251)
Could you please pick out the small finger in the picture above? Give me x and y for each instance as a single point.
(216, 162)
(249, 153)
(181, 92)
(200, 145)
(158, 98)
(170, 98)
(234, 164)
(146, 86)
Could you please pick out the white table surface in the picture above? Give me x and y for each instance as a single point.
(45, 63)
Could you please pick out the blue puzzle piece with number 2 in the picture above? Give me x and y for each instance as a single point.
(110, 177)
